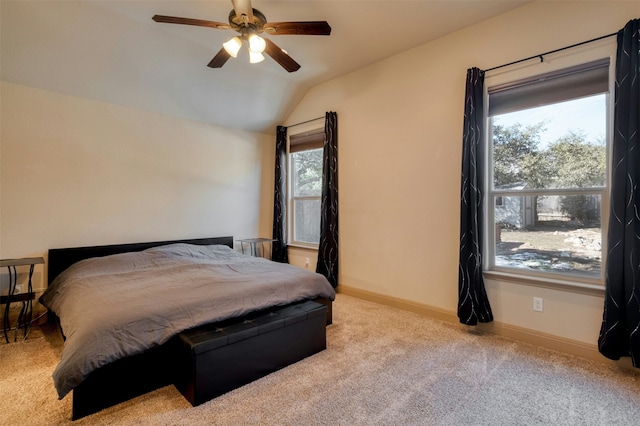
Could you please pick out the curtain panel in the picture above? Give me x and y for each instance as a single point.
(328, 248)
(473, 304)
(620, 331)
(279, 251)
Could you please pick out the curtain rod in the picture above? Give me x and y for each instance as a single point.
(550, 52)
(305, 122)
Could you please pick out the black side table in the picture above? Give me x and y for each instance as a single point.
(26, 298)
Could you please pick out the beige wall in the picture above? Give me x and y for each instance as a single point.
(400, 133)
(80, 172)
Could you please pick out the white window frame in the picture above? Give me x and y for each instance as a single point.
(313, 126)
(556, 62)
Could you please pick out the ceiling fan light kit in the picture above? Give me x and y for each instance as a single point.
(257, 43)
(250, 23)
(255, 57)
(233, 46)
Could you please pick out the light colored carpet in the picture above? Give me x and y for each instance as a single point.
(383, 366)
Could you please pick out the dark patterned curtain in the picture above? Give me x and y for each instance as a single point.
(620, 331)
(328, 247)
(279, 252)
(473, 304)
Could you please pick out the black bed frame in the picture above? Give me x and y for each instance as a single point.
(135, 375)
(61, 259)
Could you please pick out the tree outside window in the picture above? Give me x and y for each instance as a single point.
(306, 167)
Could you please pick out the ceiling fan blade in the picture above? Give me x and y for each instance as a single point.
(280, 56)
(189, 21)
(220, 59)
(243, 7)
(302, 28)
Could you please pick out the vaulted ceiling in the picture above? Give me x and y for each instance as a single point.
(112, 51)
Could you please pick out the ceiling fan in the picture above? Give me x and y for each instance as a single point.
(250, 23)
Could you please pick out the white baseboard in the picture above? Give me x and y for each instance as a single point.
(521, 334)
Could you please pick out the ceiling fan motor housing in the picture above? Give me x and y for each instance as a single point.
(242, 24)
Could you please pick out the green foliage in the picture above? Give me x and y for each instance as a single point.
(516, 157)
(569, 162)
(308, 172)
(577, 163)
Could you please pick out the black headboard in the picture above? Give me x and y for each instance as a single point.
(61, 258)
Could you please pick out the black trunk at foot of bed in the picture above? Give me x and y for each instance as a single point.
(218, 358)
(135, 375)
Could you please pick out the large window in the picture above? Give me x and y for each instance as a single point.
(548, 174)
(305, 187)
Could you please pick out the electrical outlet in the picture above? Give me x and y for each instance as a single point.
(18, 289)
(538, 304)
(307, 262)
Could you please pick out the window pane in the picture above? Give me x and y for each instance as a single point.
(560, 233)
(306, 221)
(560, 145)
(307, 173)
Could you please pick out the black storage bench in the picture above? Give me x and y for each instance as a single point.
(220, 357)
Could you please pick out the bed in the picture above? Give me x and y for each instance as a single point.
(120, 308)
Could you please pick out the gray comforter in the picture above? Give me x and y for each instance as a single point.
(115, 306)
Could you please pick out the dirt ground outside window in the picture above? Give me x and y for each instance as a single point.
(554, 247)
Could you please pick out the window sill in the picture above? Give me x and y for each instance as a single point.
(300, 246)
(550, 283)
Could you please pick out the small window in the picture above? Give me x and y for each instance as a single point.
(549, 176)
(305, 187)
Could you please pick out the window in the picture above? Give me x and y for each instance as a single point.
(305, 187)
(548, 174)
